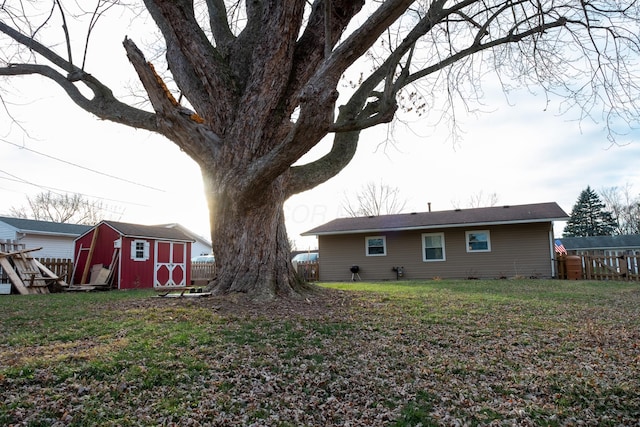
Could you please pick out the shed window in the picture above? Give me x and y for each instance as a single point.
(478, 241)
(376, 246)
(139, 250)
(433, 247)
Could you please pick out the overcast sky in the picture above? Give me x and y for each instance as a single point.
(521, 150)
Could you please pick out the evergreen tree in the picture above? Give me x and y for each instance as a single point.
(589, 217)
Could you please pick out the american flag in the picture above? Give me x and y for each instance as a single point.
(559, 247)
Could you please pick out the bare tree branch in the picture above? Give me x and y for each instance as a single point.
(97, 13)
(364, 37)
(625, 208)
(312, 44)
(201, 143)
(65, 28)
(374, 200)
(310, 175)
(219, 25)
(197, 66)
(103, 104)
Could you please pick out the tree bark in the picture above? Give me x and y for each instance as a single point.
(250, 242)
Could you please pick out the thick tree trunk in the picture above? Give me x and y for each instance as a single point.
(250, 243)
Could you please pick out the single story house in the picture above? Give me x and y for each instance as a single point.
(603, 245)
(493, 242)
(200, 246)
(137, 256)
(55, 238)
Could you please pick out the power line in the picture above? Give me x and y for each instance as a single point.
(83, 167)
(15, 178)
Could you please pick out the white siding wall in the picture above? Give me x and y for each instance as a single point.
(199, 248)
(52, 246)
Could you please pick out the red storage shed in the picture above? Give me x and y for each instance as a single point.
(138, 256)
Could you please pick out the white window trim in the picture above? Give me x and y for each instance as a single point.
(145, 253)
(384, 245)
(466, 241)
(444, 251)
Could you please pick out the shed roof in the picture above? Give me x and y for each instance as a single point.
(32, 226)
(148, 231)
(517, 214)
(630, 241)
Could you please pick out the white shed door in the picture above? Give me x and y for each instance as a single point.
(171, 264)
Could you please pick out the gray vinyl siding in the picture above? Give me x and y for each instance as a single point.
(516, 250)
(7, 232)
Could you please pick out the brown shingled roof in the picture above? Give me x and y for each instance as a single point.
(518, 214)
(149, 231)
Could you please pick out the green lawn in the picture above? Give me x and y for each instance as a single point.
(508, 352)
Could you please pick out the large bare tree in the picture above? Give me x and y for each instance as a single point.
(254, 86)
(68, 208)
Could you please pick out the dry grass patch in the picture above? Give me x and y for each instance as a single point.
(527, 352)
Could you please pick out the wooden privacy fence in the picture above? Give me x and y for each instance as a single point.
(599, 267)
(202, 272)
(309, 271)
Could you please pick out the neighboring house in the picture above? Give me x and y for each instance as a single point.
(603, 245)
(55, 238)
(139, 256)
(200, 246)
(483, 243)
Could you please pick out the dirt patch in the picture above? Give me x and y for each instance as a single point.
(320, 303)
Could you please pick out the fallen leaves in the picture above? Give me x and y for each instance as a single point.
(348, 359)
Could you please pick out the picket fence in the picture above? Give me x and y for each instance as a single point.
(61, 267)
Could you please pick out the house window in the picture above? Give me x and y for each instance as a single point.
(139, 250)
(433, 247)
(376, 246)
(478, 241)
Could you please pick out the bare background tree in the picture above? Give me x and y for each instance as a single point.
(373, 200)
(625, 207)
(253, 86)
(479, 200)
(68, 208)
